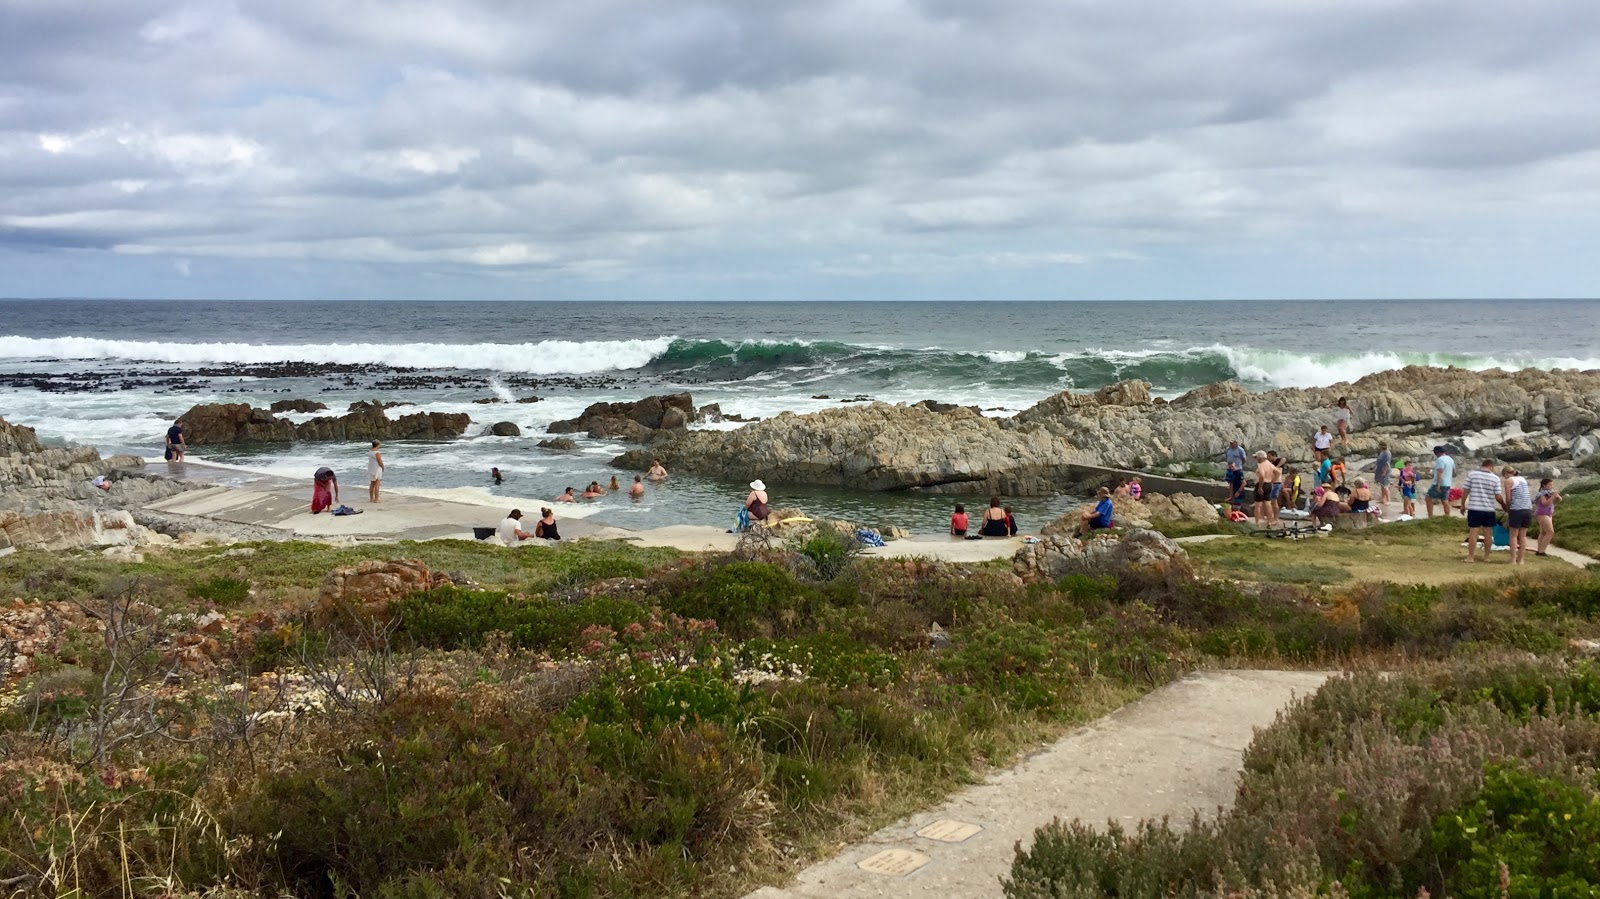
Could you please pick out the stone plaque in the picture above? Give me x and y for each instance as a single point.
(948, 831)
(893, 862)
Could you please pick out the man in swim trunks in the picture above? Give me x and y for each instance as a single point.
(1277, 481)
(1444, 472)
(1265, 475)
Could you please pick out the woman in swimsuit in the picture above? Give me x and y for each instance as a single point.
(994, 520)
(1361, 497)
(545, 528)
(756, 503)
(1544, 510)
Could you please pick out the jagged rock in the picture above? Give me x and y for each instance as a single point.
(1057, 556)
(375, 583)
(505, 429)
(531, 399)
(211, 424)
(936, 406)
(296, 406)
(886, 447)
(564, 444)
(489, 401)
(605, 420)
(75, 529)
(710, 412)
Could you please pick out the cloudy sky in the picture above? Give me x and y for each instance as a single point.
(895, 149)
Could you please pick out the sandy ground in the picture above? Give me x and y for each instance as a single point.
(1176, 751)
(252, 498)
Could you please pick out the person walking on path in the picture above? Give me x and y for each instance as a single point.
(1544, 509)
(374, 472)
(1444, 473)
(175, 443)
(324, 489)
(1518, 500)
(1382, 467)
(1341, 418)
(1322, 442)
(1483, 495)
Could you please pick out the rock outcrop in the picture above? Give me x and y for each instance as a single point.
(1056, 557)
(505, 429)
(636, 421)
(298, 406)
(212, 424)
(36, 478)
(375, 583)
(1525, 414)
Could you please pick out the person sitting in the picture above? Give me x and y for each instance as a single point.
(1098, 517)
(593, 491)
(657, 472)
(755, 503)
(1326, 506)
(510, 530)
(566, 496)
(1011, 523)
(1360, 497)
(994, 520)
(1121, 490)
(1289, 498)
(637, 489)
(958, 521)
(545, 527)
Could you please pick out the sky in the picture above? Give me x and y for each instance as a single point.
(871, 149)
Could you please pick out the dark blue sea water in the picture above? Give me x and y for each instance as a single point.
(755, 359)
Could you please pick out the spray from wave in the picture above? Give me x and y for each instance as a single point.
(798, 362)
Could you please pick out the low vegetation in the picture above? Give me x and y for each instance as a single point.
(605, 721)
(1474, 780)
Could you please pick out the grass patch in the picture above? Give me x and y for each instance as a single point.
(1577, 522)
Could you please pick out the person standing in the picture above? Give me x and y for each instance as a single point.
(1265, 475)
(1277, 478)
(175, 443)
(1544, 509)
(1341, 418)
(1518, 501)
(1482, 496)
(1380, 472)
(1322, 442)
(657, 472)
(1408, 488)
(1444, 473)
(1234, 458)
(374, 472)
(324, 489)
(637, 490)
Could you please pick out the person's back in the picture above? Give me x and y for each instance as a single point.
(507, 531)
(1482, 488)
(1103, 511)
(1521, 497)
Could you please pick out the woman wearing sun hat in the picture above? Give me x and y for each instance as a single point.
(756, 503)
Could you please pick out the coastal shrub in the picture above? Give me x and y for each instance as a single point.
(745, 599)
(834, 659)
(452, 618)
(222, 592)
(1383, 784)
(830, 551)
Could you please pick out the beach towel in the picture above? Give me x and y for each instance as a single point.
(346, 510)
(869, 538)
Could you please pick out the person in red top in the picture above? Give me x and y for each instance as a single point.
(958, 522)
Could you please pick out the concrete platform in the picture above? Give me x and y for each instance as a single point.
(1174, 752)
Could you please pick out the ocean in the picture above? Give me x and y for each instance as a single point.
(114, 373)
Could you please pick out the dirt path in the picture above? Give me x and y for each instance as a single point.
(1172, 752)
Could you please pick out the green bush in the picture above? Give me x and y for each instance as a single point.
(1544, 831)
(830, 551)
(222, 591)
(452, 618)
(745, 599)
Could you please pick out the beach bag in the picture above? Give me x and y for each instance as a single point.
(868, 538)
(1502, 535)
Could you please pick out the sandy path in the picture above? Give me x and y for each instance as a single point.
(1170, 753)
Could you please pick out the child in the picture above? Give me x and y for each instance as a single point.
(1135, 489)
(958, 522)
(1011, 522)
(1544, 512)
(1408, 488)
(1336, 473)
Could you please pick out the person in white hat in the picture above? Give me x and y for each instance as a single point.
(756, 502)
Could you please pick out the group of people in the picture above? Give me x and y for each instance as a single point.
(1485, 494)
(511, 533)
(657, 472)
(325, 483)
(997, 521)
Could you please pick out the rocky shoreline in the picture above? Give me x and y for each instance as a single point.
(1523, 416)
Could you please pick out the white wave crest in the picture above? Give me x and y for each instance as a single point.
(545, 357)
(1281, 368)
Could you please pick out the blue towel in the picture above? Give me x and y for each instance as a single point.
(868, 538)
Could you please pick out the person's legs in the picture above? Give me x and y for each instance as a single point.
(1547, 530)
(1519, 545)
(1472, 544)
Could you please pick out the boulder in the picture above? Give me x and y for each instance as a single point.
(564, 444)
(375, 583)
(1057, 556)
(650, 414)
(297, 406)
(210, 424)
(505, 429)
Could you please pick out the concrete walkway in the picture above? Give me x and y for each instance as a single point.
(1173, 752)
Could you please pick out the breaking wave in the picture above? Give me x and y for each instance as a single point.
(799, 361)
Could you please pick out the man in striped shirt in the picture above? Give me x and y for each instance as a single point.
(1483, 490)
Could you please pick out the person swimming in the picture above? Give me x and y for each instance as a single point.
(494, 474)
(637, 489)
(593, 491)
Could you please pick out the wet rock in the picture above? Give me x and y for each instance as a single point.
(210, 424)
(297, 406)
(564, 444)
(611, 420)
(505, 429)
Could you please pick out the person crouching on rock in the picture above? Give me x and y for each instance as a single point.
(324, 489)
(994, 520)
(1097, 518)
